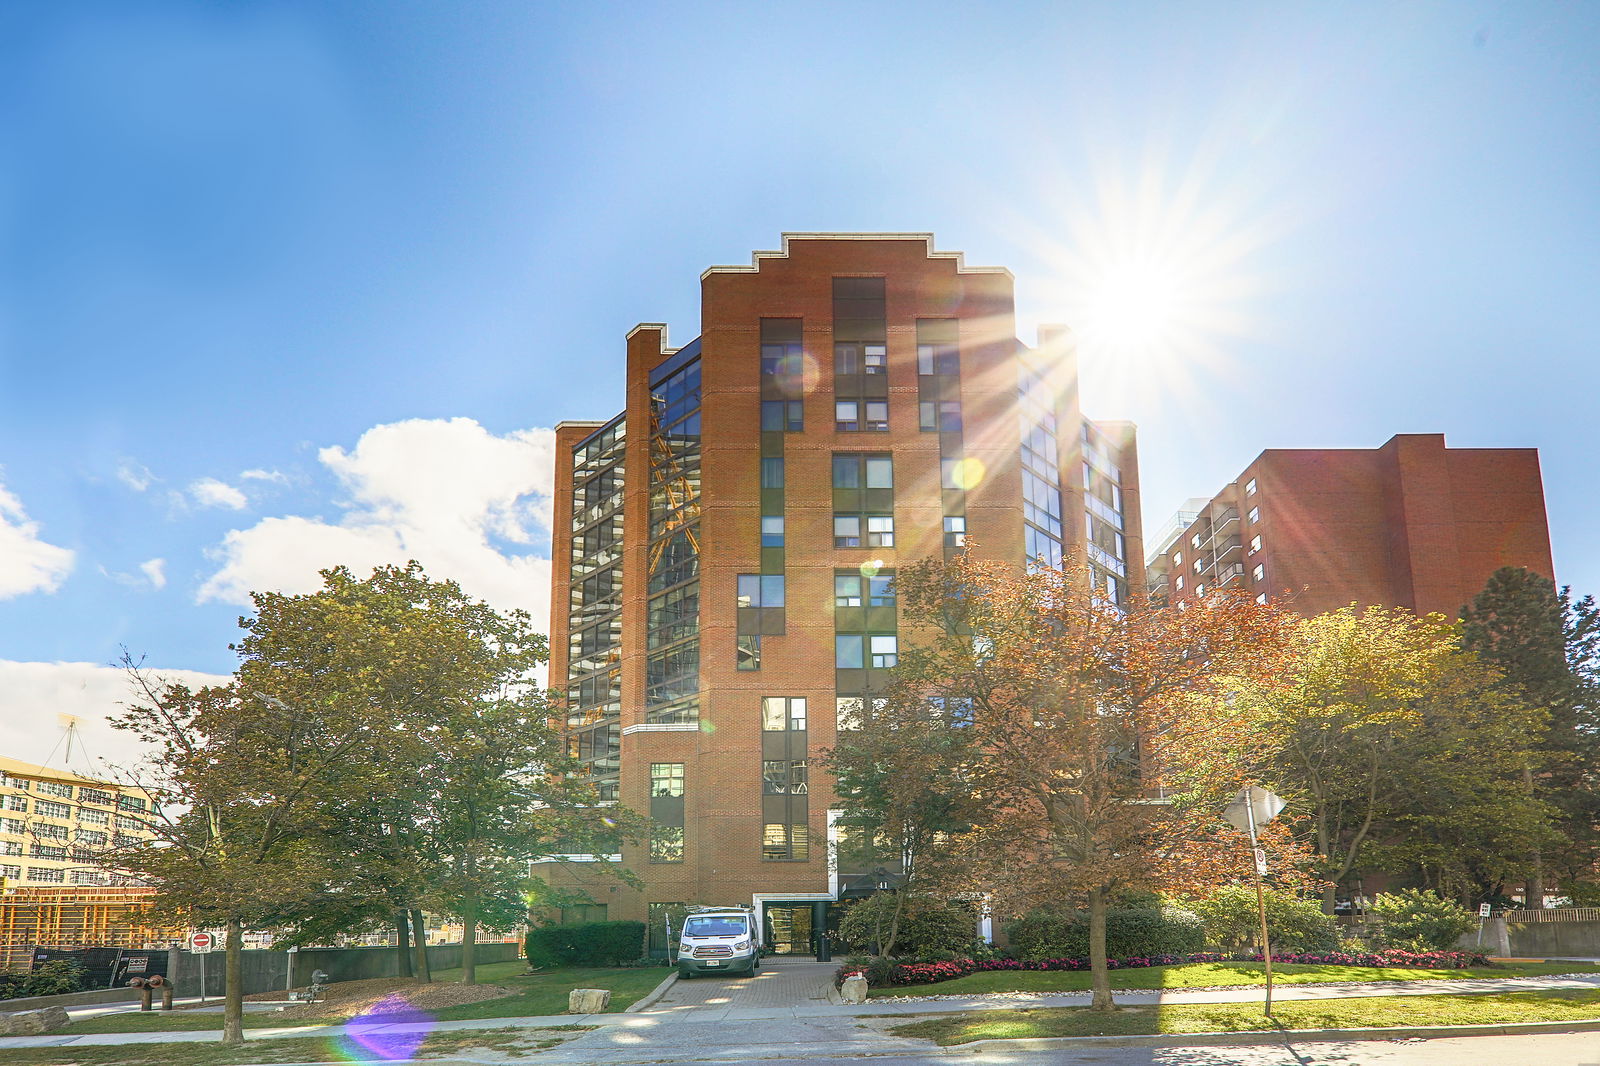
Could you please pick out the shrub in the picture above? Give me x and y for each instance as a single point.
(1419, 920)
(1050, 933)
(52, 979)
(927, 926)
(588, 944)
(1296, 925)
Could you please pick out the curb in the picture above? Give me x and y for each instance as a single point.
(1283, 1036)
(654, 994)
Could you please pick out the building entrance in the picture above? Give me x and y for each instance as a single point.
(788, 930)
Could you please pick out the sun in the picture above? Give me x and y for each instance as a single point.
(1133, 308)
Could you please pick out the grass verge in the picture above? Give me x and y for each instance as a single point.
(512, 1043)
(1563, 1005)
(540, 994)
(1213, 974)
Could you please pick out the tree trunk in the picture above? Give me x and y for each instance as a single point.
(233, 988)
(419, 940)
(469, 940)
(894, 923)
(1533, 889)
(402, 938)
(1100, 974)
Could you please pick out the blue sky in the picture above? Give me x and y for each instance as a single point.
(283, 285)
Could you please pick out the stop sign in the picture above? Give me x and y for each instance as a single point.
(201, 942)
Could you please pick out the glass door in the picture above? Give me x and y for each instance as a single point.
(788, 929)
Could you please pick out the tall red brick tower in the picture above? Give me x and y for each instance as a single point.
(725, 548)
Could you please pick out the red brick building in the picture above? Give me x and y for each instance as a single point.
(1412, 524)
(725, 547)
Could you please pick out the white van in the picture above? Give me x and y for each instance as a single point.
(718, 940)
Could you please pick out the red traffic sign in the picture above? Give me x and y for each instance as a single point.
(200, 943)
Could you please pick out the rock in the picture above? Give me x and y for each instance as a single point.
(588, 1000)
(33, 1022)
(854, 989)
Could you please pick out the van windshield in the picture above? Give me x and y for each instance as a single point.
(716, 926)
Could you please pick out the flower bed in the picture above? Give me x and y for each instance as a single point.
(926, 973)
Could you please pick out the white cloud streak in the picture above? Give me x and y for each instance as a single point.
(443, 492)
(27, 562)
(209, 492)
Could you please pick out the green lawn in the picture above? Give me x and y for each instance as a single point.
(511, 1042)
(1563, 1005)
(541, 994)
(1213, 974)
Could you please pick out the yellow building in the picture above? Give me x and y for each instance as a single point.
(53, 823)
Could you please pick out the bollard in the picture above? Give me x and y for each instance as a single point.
(160, 981)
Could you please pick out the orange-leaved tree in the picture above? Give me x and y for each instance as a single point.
(1094, 730)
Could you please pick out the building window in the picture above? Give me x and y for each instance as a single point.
(784, 777)
(846, 531)
(52, 809)
(666, 843)
(783, 714)
(937, 359)
(772, 531)
(781, 416)
(849, 651)
(785, 843)
(955, 531)
(94, 795)
(13, 825)
(583, 914)
(880, 531)
(1255, 543)
(1194, 542)
(10, 872)
(1199, 565)
(1260, 571)
(44, 875)
(1177, 583)
(875, 359)
(1199, 590)
(1250, 487)
(52, 788)
(11, 847)
(89, 817)
(1177, 558)
(854, 470)
(48, 831)
(885, 650)
(17, 803)
(847, 590)
(760, 590)
(666, 779)
(771, 472)
(1254, 515)
(877, 415)
(941, 416)
(1261, 598)
(847, 415)
(747, 651)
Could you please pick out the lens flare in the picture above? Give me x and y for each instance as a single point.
(392, 1030)
(967, 473)
(707, 726)
(871, 567)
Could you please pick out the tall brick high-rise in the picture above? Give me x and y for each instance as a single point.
(725, 547)
(1412, 524)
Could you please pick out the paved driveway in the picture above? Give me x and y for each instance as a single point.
(780, 983)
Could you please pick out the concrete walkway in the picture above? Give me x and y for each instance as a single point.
(736, 1000)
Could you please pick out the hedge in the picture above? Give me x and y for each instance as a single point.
(587, 944)
(1130, 932)
(923, 973)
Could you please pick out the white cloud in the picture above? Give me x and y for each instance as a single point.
(155, 570)
(442, 492)
(134, 475)
(27, 563)
(209, 492)
(275, 476)
(34, 696)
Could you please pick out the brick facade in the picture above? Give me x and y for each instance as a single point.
(726, 813)
(1412, 524)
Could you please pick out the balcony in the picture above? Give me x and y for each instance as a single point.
(1228, 575)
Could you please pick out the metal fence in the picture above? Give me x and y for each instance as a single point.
(1554, 914)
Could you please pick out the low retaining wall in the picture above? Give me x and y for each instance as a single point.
(1553, 939)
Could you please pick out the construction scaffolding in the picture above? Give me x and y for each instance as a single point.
(74, 918)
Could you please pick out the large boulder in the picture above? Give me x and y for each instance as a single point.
(588, 1000)
(854, 989)
(33, 1022)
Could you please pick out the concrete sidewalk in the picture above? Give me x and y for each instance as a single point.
(634, 1027)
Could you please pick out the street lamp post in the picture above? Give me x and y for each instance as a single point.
(1252, 807)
